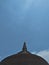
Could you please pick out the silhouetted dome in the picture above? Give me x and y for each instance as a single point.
(24, 58)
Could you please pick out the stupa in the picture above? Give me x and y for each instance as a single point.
(24, 57)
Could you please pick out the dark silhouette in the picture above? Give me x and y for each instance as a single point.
(24, 57)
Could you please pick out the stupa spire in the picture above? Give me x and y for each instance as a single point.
(24, 47)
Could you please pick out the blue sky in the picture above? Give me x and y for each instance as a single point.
(23, 20)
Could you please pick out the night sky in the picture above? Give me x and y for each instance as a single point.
(24, 20)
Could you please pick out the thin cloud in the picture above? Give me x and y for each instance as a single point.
(44, 54)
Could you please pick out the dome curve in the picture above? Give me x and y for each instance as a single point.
(24, 57)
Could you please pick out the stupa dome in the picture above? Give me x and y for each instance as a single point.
(24, 57)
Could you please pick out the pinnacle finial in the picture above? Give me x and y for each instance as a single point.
(24, 47)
